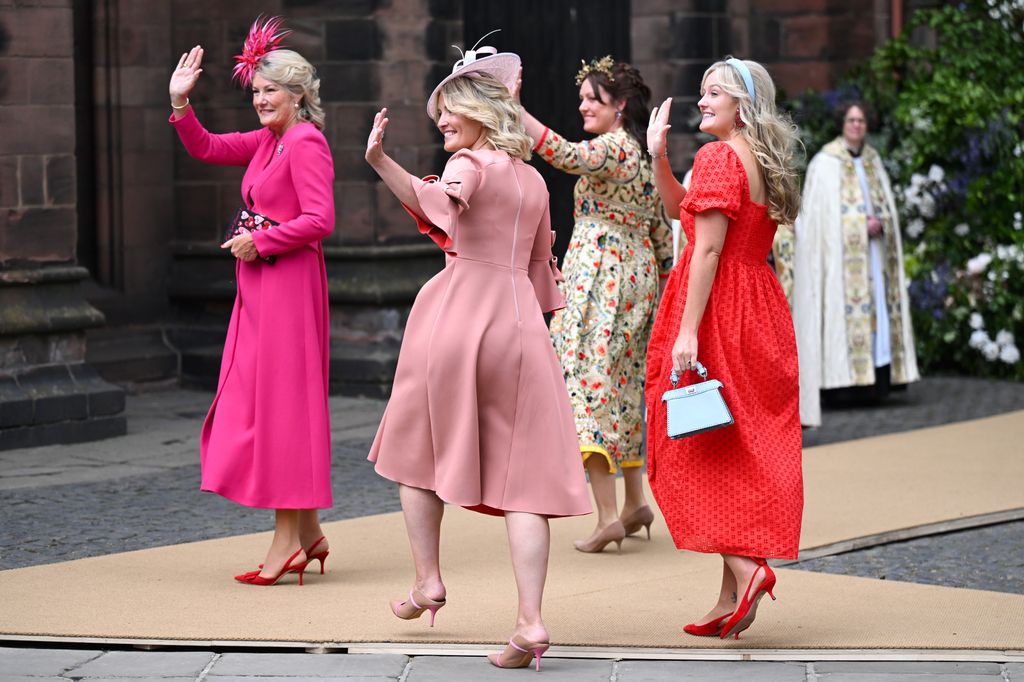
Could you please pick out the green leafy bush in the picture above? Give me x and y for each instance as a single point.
(949, 100)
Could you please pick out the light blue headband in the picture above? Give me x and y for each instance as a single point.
(748, 80)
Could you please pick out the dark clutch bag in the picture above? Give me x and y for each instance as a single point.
(250, 221)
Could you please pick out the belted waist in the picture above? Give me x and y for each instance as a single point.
(503, 266)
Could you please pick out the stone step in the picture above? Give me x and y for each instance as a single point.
(127, 355)
(358, 369)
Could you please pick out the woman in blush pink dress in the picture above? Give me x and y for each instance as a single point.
(266, 439)
(479, 415)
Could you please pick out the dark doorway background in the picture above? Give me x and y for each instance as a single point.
(85, 145)
(552, 36)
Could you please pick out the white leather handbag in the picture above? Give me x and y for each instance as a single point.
(695, 408)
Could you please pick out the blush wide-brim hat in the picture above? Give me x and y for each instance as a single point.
(502, 65)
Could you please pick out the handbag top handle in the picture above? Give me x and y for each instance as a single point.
(700, 369)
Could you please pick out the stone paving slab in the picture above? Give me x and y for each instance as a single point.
(907, 667)
(1014, 672)
(669, 671)
(144, 664)
(904, 677)
(479, 669)
(258, 677)
(43, 662)
(310, 665)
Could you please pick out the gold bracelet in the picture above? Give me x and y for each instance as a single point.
(182, 106)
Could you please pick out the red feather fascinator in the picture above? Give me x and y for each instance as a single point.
(260, 41)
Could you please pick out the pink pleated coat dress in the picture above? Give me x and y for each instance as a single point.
(266, 439)
(479, 412)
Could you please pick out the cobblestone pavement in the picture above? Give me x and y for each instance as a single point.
(988, 558)
(24, 664)
(141, 490)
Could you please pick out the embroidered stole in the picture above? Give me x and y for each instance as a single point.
(859, 307)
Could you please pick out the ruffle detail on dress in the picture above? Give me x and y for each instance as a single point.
(545, 277)
(441, 203)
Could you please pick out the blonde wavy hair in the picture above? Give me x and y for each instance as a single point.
(291, 71)
(770, 134)
(484, 99)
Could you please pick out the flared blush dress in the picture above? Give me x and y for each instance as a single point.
(737, 489)
(266, 439)
(479, 412)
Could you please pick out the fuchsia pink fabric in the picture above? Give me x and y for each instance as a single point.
(266, 439)
(479, 412)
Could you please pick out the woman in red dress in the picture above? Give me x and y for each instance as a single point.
(736, 491)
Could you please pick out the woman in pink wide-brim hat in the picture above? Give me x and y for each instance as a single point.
(479, 414)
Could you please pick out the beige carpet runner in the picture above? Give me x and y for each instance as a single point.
(639, 598)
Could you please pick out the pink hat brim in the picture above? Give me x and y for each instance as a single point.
(504, 66)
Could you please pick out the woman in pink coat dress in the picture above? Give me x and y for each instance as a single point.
(266, 439)
(479, 414)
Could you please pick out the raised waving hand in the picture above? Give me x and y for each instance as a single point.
(658, 127)
(185, 75)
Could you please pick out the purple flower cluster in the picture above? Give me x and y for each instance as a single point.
(928, 293)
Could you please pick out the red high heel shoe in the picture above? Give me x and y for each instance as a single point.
(709, 629)
(254, 578)
(415, 605)
(320, 556)
(745, 612)
(312, 556)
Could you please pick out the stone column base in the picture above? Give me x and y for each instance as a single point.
(48, 394)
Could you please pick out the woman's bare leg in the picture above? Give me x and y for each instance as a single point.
(423, 511)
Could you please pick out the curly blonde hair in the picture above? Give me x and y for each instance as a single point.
(770, 134)
(290, 70)
(484, 99)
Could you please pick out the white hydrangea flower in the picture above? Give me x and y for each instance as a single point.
(1005, 337)
(977, 265)
(990, 350)
(1018, 220)
(962, 230)
(978, 339)
(936, 174)
(927, 206)
(977, 322)
(1009, 354)
(915, 228)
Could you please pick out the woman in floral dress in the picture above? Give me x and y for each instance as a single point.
(621, 245)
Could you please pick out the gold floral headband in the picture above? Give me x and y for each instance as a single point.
(603, 65)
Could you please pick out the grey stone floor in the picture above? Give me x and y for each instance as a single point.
(141, 490)
(24, 664)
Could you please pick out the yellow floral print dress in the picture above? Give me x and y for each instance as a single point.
(621, 244)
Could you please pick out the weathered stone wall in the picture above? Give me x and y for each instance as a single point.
(47, 393)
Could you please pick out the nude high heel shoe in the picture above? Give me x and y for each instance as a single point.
(613, 533)
(519, 653)
(415, 605)
(641, 518)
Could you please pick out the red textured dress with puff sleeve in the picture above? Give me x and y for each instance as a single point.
(739, 489)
